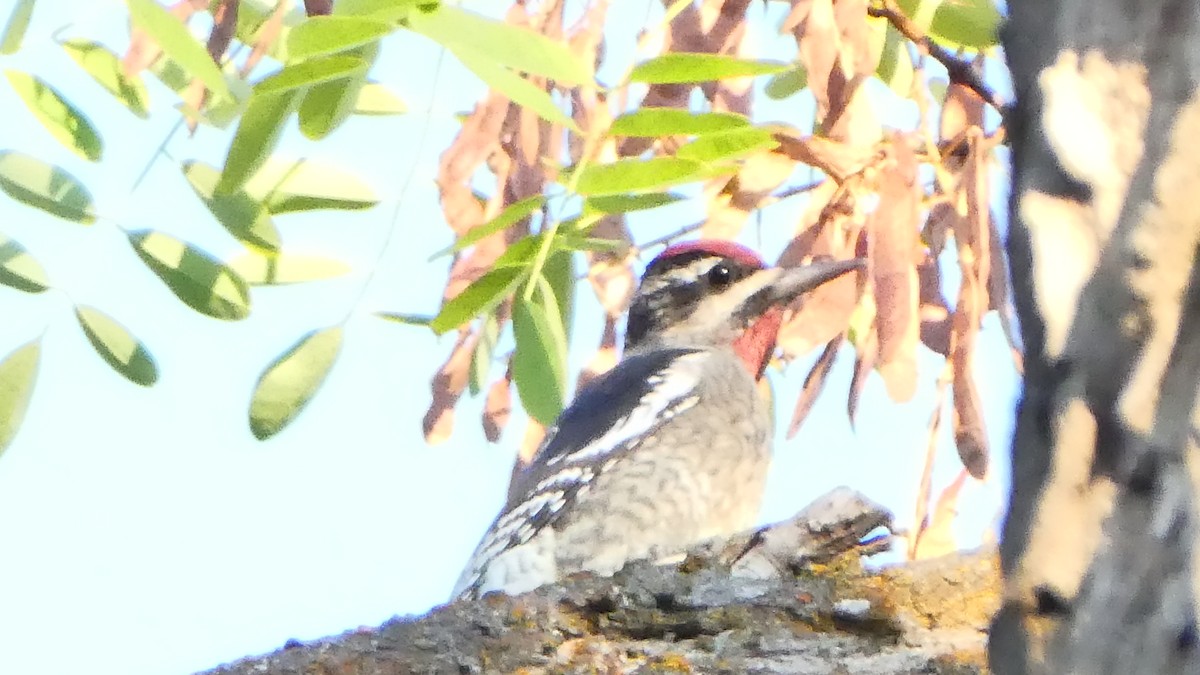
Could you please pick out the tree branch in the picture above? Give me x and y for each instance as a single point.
(959, 71)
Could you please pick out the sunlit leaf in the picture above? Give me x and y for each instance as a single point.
(328, 104)
(966, 23)
(105, 68)
(20, 270)
(895, 66)
(481, 358)
(201, 281)
(634, 175)
(728, 145)
(406, 319)
(117, 346)
(787, 83)
(312, 72)
(539, 362)
(14, 32)
(289, 383)
(252, 25)
(18, 373)
(629, 203)
(559, 272)
(481, 296)
(377, 99)
(256, 136)
(500, 43)
(654, 122)
(44, 186)
(814, 383)
(176, 42)
(592, 244)
(287, 186)
(518, 89)
(286, 268)
(510, 216)
(391, 11)
(64, 121)
(322, 35)
(684, 68)
(938, 87)
(245, 217)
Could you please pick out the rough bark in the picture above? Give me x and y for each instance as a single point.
(1098, 548)
(791, 598)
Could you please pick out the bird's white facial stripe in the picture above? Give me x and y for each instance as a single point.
(672, 391)
(679, 276)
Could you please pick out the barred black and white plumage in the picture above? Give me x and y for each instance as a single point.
(669, 448)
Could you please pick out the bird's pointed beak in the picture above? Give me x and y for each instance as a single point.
(793, 282)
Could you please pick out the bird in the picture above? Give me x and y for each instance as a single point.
(671, 446)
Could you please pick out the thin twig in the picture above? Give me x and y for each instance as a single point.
(685, 230)
(959, 71)
(793, 191)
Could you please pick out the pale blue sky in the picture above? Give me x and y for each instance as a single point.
(151, 527)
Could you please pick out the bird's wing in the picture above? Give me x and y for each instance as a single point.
(608, 419)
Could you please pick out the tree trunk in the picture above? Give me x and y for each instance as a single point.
(1098, 549)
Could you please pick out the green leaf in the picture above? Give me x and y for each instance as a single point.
(252, 17)
(18, 373)
(580, 243)
(973, 24)
(481, 296)
(44, 186)
(539, 361)
(391, 11)
(290, 382)
(64, 121)
(117, 346)
(635, 175)
(322, 35)
(729, 145)
(521, 91)
(201, 281)
(481, 358)
(628, 203)
(895, 66)
(787, 83)
(14, 32)
(245, 217)
(938, 87)
(177, 43)
(287, 186)
(328, 104)
(653, 122)
(501, 44)
(687, 68)
(376, 99)
(510, 216)
(559, 272)
(20, 270)
(285, 268)
(256, 136)
(105, 68)
(406, 319)
(312, 72)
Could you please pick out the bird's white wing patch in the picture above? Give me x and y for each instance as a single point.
(508, 557)
(672, 391)
(516, 528)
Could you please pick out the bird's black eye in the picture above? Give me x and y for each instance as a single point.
(719, 275)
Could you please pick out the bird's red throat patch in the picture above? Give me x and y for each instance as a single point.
(757, 343)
